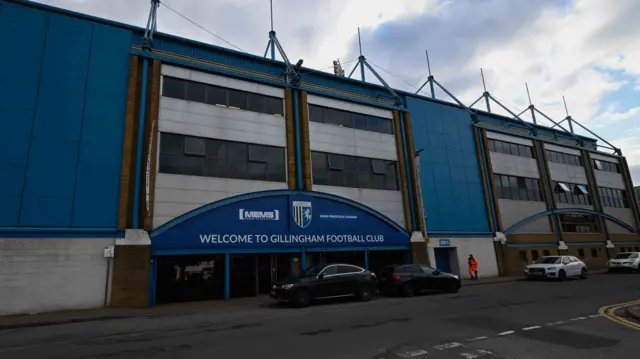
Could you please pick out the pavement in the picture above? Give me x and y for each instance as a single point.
(78, 316)
(512, 319)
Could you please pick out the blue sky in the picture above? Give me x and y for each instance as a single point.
(586, 50)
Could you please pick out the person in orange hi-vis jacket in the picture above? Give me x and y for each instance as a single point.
(473, 267)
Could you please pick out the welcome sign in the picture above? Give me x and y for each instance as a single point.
(280, 220)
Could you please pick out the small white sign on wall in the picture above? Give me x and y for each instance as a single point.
(109, 251)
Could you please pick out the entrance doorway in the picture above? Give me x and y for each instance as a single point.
(443, 259)
(272, 267)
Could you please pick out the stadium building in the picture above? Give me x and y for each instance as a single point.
(138, 170)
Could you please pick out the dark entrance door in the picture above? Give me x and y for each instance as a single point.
(443, 263)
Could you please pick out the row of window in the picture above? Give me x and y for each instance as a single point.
(196, 156)
(606, 166)
(221, 96)
(579, 223)
(350, 119)
(510, 148)
(572, 193)
(612, 197)
(350, 171)
(517, 188)
(565, 158)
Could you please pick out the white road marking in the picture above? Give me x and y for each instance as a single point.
(508, 332)
(532, 328)
(447, 346)
(594, 316)
(413, 353)
(477, 339)
(555, 323)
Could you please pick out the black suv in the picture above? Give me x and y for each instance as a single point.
(324, 282)
(410, 279)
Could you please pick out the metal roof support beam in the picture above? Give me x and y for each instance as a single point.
(152, 24)
(517, 117)
(397, 99)
(578, 139)
(476, 101)
(612, 147)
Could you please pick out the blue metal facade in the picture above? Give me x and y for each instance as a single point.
(62, 107)
(449, 170)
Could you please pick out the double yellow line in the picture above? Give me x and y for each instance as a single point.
(609, 312)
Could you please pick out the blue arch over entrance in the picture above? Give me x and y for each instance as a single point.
(279, 219)
(550, 212)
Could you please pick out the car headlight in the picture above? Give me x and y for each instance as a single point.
(552, 268)
(287, 286)
(628, 262)
(456, 277)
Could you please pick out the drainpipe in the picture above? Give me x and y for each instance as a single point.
(296, 123)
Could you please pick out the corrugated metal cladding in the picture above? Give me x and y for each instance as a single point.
(62, 104)
(449, 169)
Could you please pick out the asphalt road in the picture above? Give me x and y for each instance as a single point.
(508, 320)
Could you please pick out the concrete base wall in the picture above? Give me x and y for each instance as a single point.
(481, 248)
(51, 274)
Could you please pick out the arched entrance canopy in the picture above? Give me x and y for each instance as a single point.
(279, 219)
(550, 212)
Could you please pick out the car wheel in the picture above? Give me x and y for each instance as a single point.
(408, 290)
(562, 275)
(583, 274)
(365, 293)
(301, 298)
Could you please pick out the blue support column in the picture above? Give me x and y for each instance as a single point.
(366, 259)
(362, 71)
(227, 276)
(139, 144)
(296, 123)
(303, 259)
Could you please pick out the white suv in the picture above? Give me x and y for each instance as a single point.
(556, 267)
(626, 261)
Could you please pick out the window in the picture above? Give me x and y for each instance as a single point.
(594, 252)
(565, 158)
(357, 172)
(579, 223)
(534, 255)
(517, 188)
(330, 270)
(510, 148)
(545, 252)
(348, 269)
(572, 193)
(221, 96)
(523, 256)
(581, 252)
(606, 166)
(350, 119)
(196, 156)
(612, 197)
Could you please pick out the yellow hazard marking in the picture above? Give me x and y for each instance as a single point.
(609, 312)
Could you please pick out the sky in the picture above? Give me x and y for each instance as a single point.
(585, 50)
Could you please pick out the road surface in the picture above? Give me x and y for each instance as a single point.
(507, 320)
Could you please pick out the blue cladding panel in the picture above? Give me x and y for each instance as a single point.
(62, 109)
(19, 72)
(450, 174)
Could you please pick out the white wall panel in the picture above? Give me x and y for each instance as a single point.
(52, 274)
(567, 173)
(507, 138)
(222, 81)
(505, 164)
(349, 141)
(623, 214)
(511, 212)
(562, 149)
(609, 179)
(178, 194)
(197, 119)
(388, 203)
(349, 106)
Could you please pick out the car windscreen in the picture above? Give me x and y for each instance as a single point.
(626, 255)
(547, 260)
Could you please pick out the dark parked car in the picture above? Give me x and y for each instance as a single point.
(324, 282)
(410, 279)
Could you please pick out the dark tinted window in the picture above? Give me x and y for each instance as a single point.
(579, 223)
(606, 166)
(197, 156)
(330, 270)
(348, 269)
(350, 119)
(220, 96)
(356, 172)
(517, 188)
(510, 148)
(571, 193)
(613, 197)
